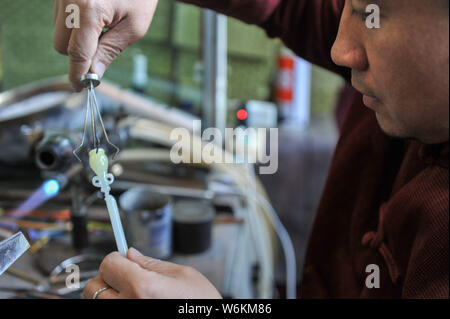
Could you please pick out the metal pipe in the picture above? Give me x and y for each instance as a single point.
(215, 70)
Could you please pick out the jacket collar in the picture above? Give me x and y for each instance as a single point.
(436, 154)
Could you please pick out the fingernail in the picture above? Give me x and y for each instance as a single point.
(135, 253)
(99, 69)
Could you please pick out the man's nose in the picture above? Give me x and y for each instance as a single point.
(348, 51)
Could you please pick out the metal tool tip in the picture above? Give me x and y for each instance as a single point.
(89, 78)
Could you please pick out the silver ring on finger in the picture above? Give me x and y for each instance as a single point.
(98, 292)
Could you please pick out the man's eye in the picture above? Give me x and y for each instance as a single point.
(361, 15)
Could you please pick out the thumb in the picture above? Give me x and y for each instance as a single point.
(152, 264)
(143, 261)
(133, 254)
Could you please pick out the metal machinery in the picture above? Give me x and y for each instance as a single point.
(39, 128)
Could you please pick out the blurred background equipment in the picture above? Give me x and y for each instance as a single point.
(54, 182)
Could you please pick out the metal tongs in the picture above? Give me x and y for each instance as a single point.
(90, 81)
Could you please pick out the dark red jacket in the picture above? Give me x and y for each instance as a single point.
(385, 201)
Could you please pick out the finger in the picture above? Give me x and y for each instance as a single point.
(156, 265)
(55, 10)
(113, 42)
(94, 285)
(62, 33)
(82, 46)
(122, 274)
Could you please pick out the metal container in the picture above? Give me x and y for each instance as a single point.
(192, 222)
(148, 221)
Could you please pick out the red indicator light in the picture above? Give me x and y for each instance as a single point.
(242, 114)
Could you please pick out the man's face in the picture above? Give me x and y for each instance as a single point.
(402, 68)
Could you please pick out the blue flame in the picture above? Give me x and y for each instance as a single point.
(47, 190)
(51, 187)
